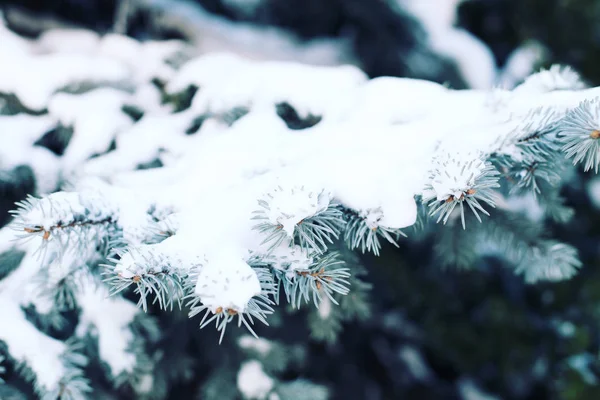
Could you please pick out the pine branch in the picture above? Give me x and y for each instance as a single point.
(455, 181)
(579, 132)
(549, 261)
(155, 270)
(319, 279)
(119, 328)
(257, 307)
(311, 220)
(557, 77)
(72, 219)
(53, 367)
(363, 231)
(527, 177)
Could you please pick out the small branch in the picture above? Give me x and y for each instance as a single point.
(83, 224)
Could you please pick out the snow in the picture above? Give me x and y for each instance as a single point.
(63, 57)
(290, 258)
(473, 58)
(372, 133)
(521, 63)
(61, 207)
(527, 204)
(558, 77)
(260, 345)
(18, 133)
(34, 79)
(172, 253)
(227, 282)
(22, 130)
(290, 206)
(145, 384)
(381, 144)
(39, 215)
(454, 175)
(110, 318)
(325, 307)
(147, 60)
(211, 33)
(79, 41)
(253, 382)
(384, 100)
(593, 189)
(366, 164)
(41, 353)
(96, 118)
(264, 84)
(141, 143)
(12, 44)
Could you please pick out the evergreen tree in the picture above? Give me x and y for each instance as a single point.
(173, 193)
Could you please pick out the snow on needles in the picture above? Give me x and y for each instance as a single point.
(374, 148)
(227, 282)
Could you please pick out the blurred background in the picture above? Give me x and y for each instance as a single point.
(477, 333)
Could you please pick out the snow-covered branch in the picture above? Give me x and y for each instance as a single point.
(253, 183)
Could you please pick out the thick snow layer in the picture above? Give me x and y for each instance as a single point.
(12, 44)
(142, 143)
(34, 71)
(35, 78)
(521, 63)
(253, 382)
(264, 84)
(26, 344)
(18, 133)
(375, 149)
(81, 41)
(377, 146)
(385, 101)
(109, 319)
(473, 58)
(556, 78)
(147, 60)
(211, 33)
(366, 164)
(22, 130)
(95, 117)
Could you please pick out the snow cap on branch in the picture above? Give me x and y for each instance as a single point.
(579, 132)
(289, 207)
(226, 281)
(460, 178)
